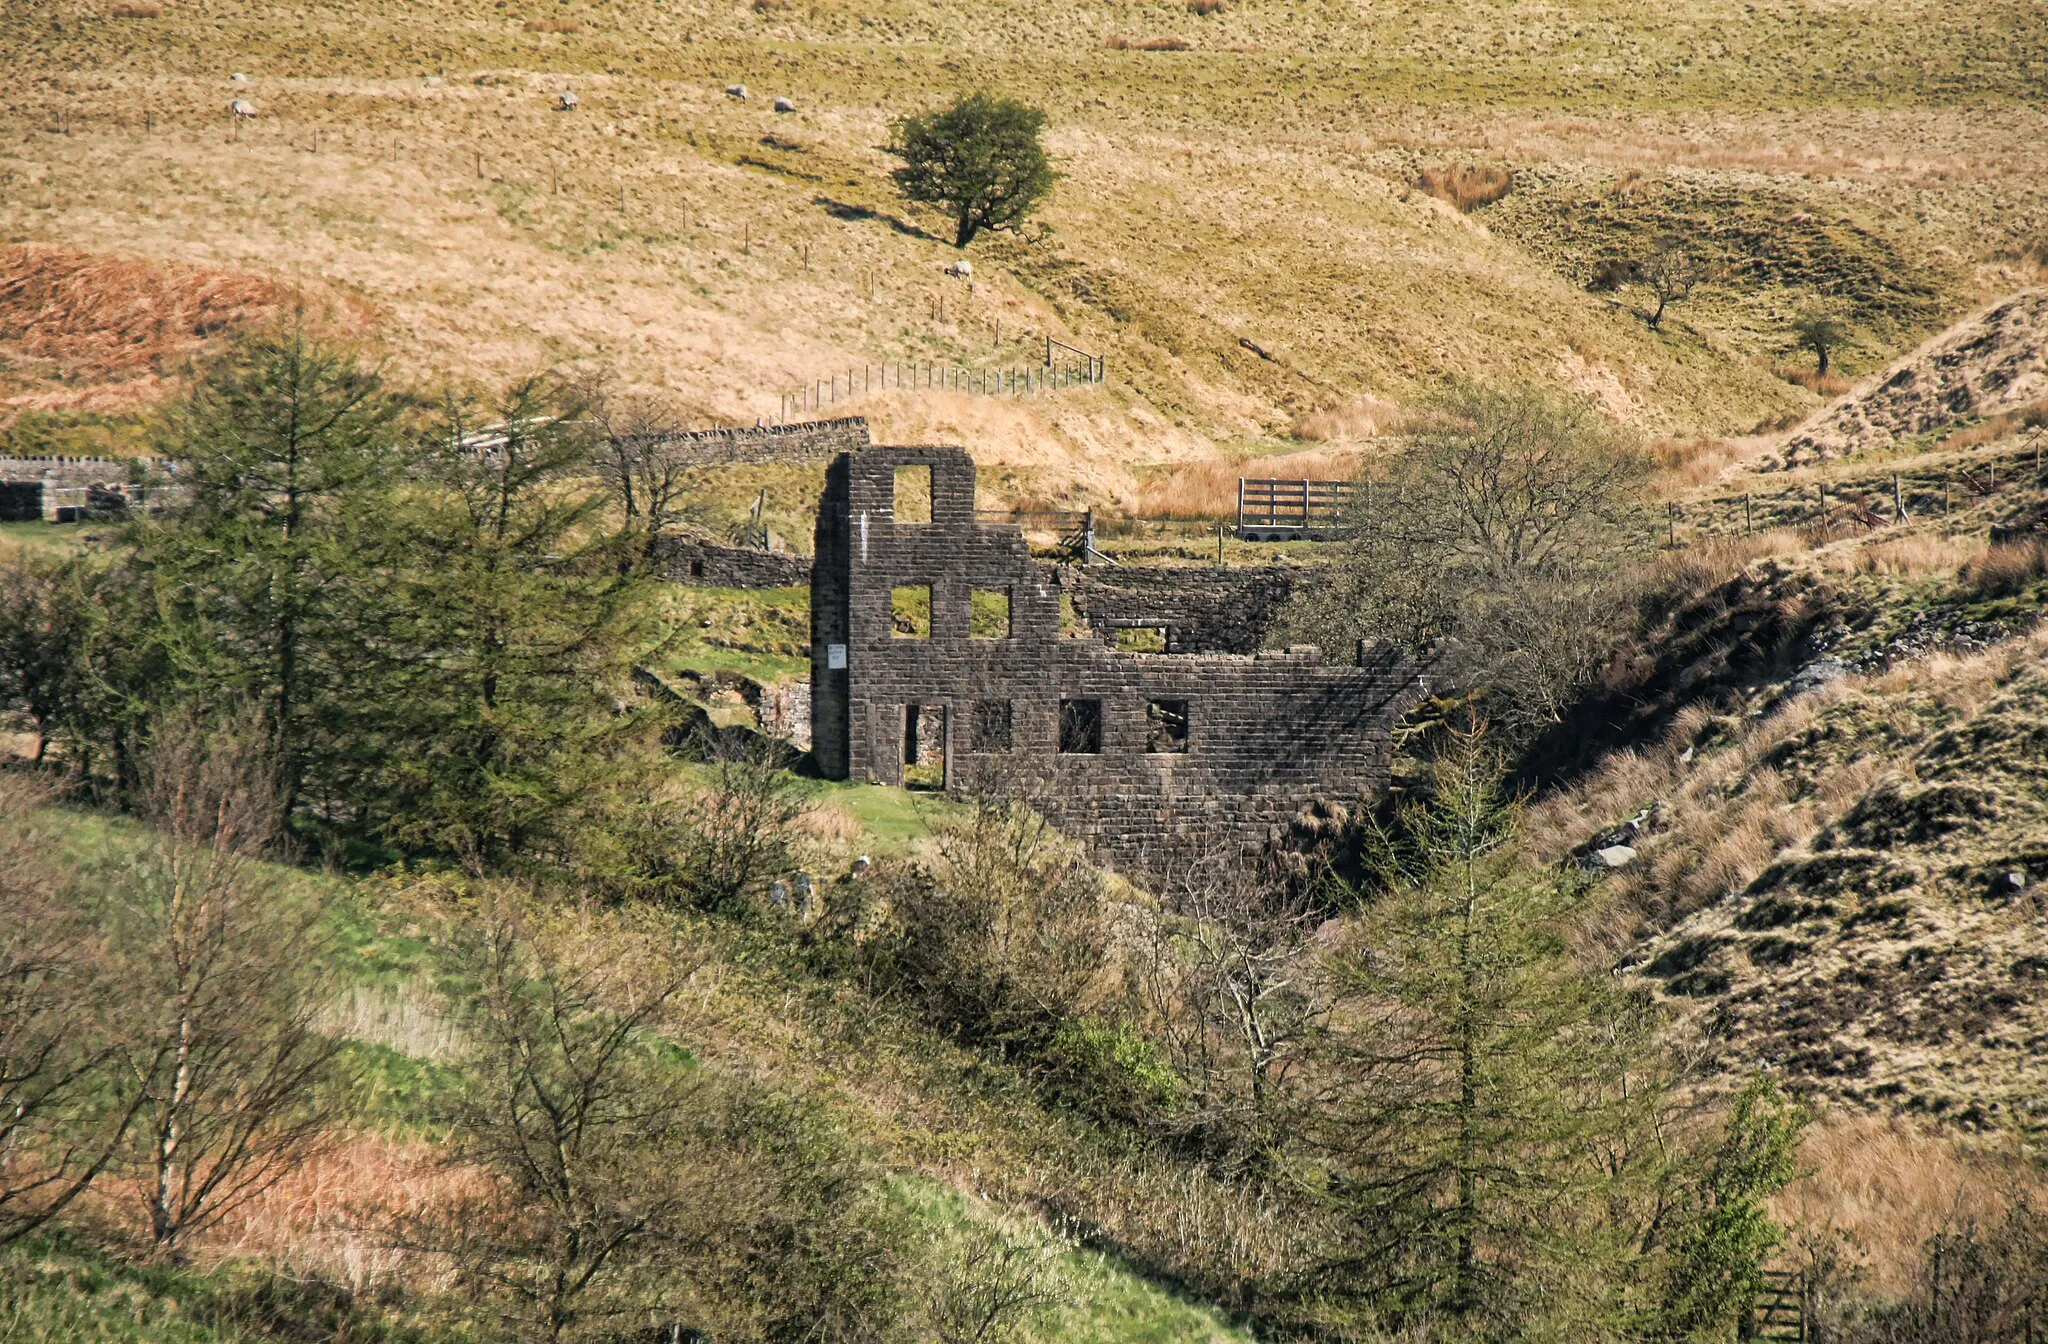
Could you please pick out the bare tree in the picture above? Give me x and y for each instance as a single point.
(737, 827)
(587, 1137)
(1673, 270)
(59, 1124)
(640, 457)
(1504, 527)
(1232, 981)
(988, 1290)
(221, 984)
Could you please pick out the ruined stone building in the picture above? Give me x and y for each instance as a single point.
(937, 642)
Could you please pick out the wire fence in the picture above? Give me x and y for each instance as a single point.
(1866, 502)
(1065, 367)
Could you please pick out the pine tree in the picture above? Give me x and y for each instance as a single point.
(281, 453)
(1477, 1080)
(512, 620)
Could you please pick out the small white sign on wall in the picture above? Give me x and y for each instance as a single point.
(835, 657)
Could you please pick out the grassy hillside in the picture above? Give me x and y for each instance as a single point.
(409, 170)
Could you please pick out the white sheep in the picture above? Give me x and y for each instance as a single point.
(566, 101)
(242, 107)
(784, 105)
(738, 91)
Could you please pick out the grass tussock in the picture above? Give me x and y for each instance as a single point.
(1466, 185)
(135, 10)
(2004, 570)
(1205, 8)
(563, 26)
(1993, 428)
(1922, 553)
(1359, 418)
(1118, 42)
(1820, 384)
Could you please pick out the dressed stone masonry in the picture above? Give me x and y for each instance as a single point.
(1146, 756)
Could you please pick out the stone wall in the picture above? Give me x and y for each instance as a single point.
(810, 441)
(692, 560)
(1143, 755)
(77, 472)
(1213, 610)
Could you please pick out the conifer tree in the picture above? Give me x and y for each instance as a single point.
(280, 453)
(512, 617)
(1479, 1078)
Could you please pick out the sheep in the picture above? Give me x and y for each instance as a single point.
(962, 268)
(242, 107)
(238, 78)
(738, 91)
(784, 105)
(566, 101)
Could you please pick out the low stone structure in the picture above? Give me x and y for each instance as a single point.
(811, 441)
(65, 489)
(945, 634)
(704, 564)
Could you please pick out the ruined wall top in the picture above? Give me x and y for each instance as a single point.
(810, 441)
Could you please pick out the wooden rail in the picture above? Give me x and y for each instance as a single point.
(1281, 510)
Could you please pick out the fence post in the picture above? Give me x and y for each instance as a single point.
(1746, 516)
(1944, 495)
(1671, 519)
(1898, 498)
(1048, 352)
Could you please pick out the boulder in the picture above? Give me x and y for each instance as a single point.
(1614, 856)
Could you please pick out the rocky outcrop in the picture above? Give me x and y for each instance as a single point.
(1992, 363)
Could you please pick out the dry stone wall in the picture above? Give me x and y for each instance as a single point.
(691, 560)
(810, 441)
(1147, 756)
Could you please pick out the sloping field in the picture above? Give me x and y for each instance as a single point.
(1258, 189)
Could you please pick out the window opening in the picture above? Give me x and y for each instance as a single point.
(910, 611)
(1141, 639)
(988, 614)
(1081, 727)
(1166, 726)
(924, 746)
(696, 569)
(913, 495)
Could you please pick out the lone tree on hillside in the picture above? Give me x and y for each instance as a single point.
(979, 159)
(1672, 271)
(1820, 330)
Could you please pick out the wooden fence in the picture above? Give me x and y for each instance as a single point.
(1278, 510)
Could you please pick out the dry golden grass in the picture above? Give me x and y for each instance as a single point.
(324, 1217)
(1820, 384)
(1118, 42)
(1466, 186)
(1885, 1187)
(1358, 418)
(553, 26)
(2008, 568)
(94, 318)
(1207, 488)
(1917, 553)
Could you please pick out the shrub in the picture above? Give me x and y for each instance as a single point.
(1204, 8)
(137, 11)
(1115, 1070)
(1165, 44)
(1466, 186)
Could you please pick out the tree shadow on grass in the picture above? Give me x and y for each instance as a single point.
(842, 210)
